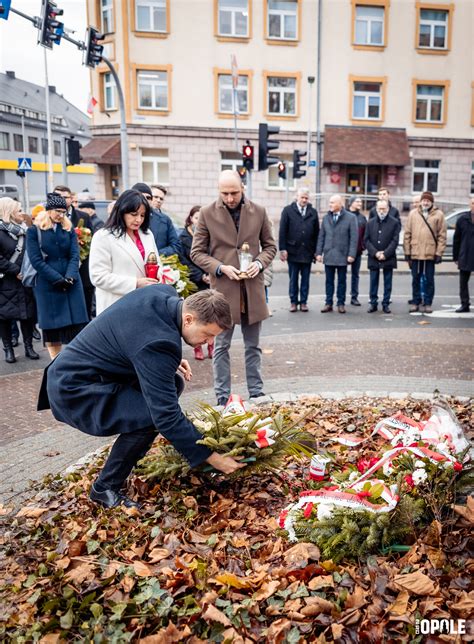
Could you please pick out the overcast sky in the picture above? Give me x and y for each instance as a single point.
(20, 53)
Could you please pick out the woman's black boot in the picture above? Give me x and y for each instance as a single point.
(29, 351)
(9, 353)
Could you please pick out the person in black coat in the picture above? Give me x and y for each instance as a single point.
(121, 375)
(355, 206)
(196, 275)
(166, 237)
(16, 301)
(299, 230)
(381, 240)
(463, 254)
(383, 193)
(54, 253)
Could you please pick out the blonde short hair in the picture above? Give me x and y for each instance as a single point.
(44, 222)
(8, 207)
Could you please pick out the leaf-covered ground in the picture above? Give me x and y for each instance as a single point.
(206, 562)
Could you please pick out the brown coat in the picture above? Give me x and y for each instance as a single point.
(216, 242)
(418, 242)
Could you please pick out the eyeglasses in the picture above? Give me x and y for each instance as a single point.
(148, 197)
(59, 212)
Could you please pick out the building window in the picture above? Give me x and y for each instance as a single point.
(226, 94)
(430, 101)
(33, 144)
(369, 25)
(274, 182)
(367, 100)
(472, 178)
(109, 92)
(4, 141)
(18, 142)
(57, 148)
(433, 29)
(425, 175)
(233, 18)
(44, 147)
(282, 19)
(151, 15)
(153, 90)
(281, 95)
(155, 166)
(107, 16)
(231, 161)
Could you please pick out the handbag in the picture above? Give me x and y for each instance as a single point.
(28, 272)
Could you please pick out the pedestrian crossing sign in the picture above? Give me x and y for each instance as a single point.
(24, 164)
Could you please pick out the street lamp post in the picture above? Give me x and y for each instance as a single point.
(318, 100)
(311, 80)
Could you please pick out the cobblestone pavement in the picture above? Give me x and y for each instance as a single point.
(330, 363)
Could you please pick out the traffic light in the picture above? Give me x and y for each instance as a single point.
(298, 164)
(93, 51)
(247, 156)
(20, 173)
(282, 170)
(265, 145)
(51, 29)
(73, 155)
(5, 8)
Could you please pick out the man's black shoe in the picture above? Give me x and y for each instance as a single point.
(222, 401)
(372, 308)
(386, 309)
(463, 309)
(257, 395)
(355, 302)
(111, 499)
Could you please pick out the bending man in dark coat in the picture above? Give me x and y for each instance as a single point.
(120, 376)
(463, 254)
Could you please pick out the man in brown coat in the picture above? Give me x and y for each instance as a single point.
(222, 228)
(424, 241)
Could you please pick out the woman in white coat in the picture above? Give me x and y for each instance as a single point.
(120, 250)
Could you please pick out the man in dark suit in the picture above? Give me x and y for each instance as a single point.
(299, 229)
(121, 375)
(381, 241)
(383, 194)
(463, 254)
(161, 226)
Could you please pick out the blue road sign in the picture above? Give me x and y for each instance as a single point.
(5, 8)
(312, 163)
(24, 164)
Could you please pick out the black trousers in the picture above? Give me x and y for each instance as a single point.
(127, 450)
(464, 287)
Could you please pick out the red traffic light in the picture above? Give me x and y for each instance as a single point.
(248, 152)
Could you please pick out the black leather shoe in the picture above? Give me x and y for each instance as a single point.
(355, 302)
(372, 308)
(257, 395)
(29, 351)
(463, 309)
(222, 401)
(36, 334)
(111, 499)
(386, 309)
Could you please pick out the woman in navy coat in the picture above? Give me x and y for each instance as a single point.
(54, 253)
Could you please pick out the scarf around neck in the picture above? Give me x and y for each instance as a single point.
(12, 229)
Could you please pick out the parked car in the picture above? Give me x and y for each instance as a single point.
(451, 220)
(9, 190)
(101, 206)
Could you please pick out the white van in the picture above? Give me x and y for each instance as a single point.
(9, 190)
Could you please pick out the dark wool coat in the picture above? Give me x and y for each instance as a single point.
(164, 232)
(56, 308)
(118, 375)
(362, 224)
(16, 301)
(393, 212)
(299, 235)
(463, 242)
(382, 235)
(216, 241)
(195, 273)
(337, 242)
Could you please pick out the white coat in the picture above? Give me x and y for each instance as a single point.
(115, 264)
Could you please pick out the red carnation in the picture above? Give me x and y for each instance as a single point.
(281, 520)
(457, 466)
(409, 480)
(308, 509)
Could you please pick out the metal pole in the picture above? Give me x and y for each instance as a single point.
(318, 100)
(308, 143)
(26, 192)
(287, 191)
(64, 160)
(234, 104)
(123, 126)
(48, 127)
(249, 184)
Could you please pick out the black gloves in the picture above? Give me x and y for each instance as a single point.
(63, 284)
(438, 259)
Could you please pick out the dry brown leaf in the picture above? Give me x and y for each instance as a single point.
(231, 635)
(436, 556)
(266, 590)
(277, 630)
(316, 605)
(80, 573)
(31, 512)
(416, 582)
(356, 599)
(229, 579)
(167, 635)
(465, 605)
(142, 570)
(299, 555)
(51, 638)
(62, 563)
(337, 630)
(400, 605)
(157, 554)
(267, 352)
(213, 614)
(466, 511)
(76, 547)
(321, 582)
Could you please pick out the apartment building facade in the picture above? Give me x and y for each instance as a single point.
(396, 92)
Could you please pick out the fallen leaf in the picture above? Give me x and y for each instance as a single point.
(228, 579)
(356, 599)
(465, 605)
(142, 570)
(157, 554)
(336, 630)
(415, 582)
(31, 512)
(213, 614)
(400, 605)
(266, 590)
(267, 352)
(316, 605)
(167, 635)
(300, 554)
(466, 511)
(423, 322)
(322, 581)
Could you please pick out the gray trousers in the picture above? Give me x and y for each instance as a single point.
(253, 360)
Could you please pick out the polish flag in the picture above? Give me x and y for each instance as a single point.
(91, 104)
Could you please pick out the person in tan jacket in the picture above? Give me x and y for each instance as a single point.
(424, 242)
(223, 227)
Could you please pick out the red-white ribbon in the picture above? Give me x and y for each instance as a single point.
(167, 275)
(264, 437)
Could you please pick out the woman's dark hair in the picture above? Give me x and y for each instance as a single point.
(129, 201)
(192, 212)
